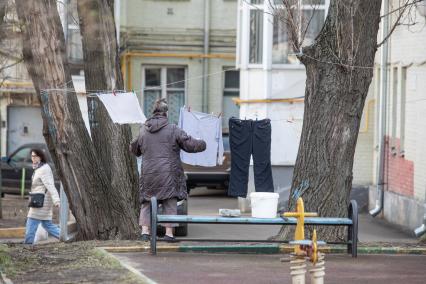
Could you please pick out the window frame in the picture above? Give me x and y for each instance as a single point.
(224, 90)
(163, 88)
(244, 55)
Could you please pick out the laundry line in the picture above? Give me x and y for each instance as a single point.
(95, 92)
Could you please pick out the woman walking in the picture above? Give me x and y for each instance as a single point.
(42, 183)
(162, 174)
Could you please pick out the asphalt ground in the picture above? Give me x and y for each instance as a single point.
(250, 268)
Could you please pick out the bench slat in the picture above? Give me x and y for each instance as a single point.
(250, 220)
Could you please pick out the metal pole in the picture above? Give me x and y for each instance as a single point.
(63, 215)
(204, 106)
(23, 183)
(383, 116)
(63, 211)
(1, 182)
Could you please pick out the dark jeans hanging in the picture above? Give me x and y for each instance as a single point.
(246, 138)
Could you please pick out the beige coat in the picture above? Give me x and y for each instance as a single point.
(43, 180)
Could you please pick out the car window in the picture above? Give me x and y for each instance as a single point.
(23, 155)
(226, 146)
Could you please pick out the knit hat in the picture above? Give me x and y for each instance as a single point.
(160, 106)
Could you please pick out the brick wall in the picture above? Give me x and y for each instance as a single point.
(399, 172)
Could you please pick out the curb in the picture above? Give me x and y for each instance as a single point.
(4, 279)
(136, 272)
(267, 249)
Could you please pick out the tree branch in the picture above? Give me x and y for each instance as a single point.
(11, 65)
(408, 4)
(401, 7)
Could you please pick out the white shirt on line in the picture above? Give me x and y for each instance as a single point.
(208, 128)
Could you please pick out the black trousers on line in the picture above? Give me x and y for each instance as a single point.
(246, 138)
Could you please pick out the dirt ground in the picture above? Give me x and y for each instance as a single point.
(80, 262)
(15, 211)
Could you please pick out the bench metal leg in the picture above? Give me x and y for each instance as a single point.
(154, 208)
(353, 229)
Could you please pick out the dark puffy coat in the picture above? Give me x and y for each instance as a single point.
(160, 143)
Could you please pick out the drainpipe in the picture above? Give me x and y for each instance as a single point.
(204, 106)
(383, 102)
(422, 229)
(117, 20)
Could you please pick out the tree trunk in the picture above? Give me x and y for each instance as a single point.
(339, 68)
(102, 72)
(98, 213)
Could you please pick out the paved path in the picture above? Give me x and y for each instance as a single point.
(208, 202)
(242, 268)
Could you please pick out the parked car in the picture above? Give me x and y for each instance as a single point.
(211, 177)
(12, 168)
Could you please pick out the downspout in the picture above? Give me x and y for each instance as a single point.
(383, 103)
(204, 105)
(422, 229)
(117, 20)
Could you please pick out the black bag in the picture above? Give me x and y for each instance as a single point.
(37, 200)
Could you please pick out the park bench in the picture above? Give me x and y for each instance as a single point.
(351, 222)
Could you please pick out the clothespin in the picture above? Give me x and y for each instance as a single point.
(189, 109)
(113, 92)
(220, 114)
(133, 91)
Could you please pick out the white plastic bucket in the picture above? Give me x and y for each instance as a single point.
(264, 204)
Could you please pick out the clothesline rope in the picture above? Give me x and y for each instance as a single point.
(94, 92)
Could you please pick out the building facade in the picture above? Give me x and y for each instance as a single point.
(272, 79)
(183, 51)
(405, 151)
(20, 112)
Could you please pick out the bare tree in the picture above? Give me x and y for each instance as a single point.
(339, 68)
(100, 212)
(102, 72)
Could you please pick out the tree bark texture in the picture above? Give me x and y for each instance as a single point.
(102, 72)
(339, 69)
(98, 211)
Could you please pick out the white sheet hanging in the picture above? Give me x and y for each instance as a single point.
(123, 108)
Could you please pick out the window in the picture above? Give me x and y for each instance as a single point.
(313, 13)
(403, 87)
(231, 90)
(164, 82)
(23, 155)
(394, 110)
(256, 36)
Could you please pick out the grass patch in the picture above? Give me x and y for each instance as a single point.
(79, 262)
(423, 239)
(6, 265)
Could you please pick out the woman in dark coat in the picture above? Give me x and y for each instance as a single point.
(162, 174)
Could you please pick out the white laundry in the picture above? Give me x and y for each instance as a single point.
(123, 108)
(207, 127)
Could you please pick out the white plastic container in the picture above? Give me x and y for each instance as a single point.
(264, 204)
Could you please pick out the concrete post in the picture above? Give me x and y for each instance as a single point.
(297, 269)
(63, 215)
(318, 271)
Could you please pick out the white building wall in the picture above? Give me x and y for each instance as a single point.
(408, 50)
(405, 182)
